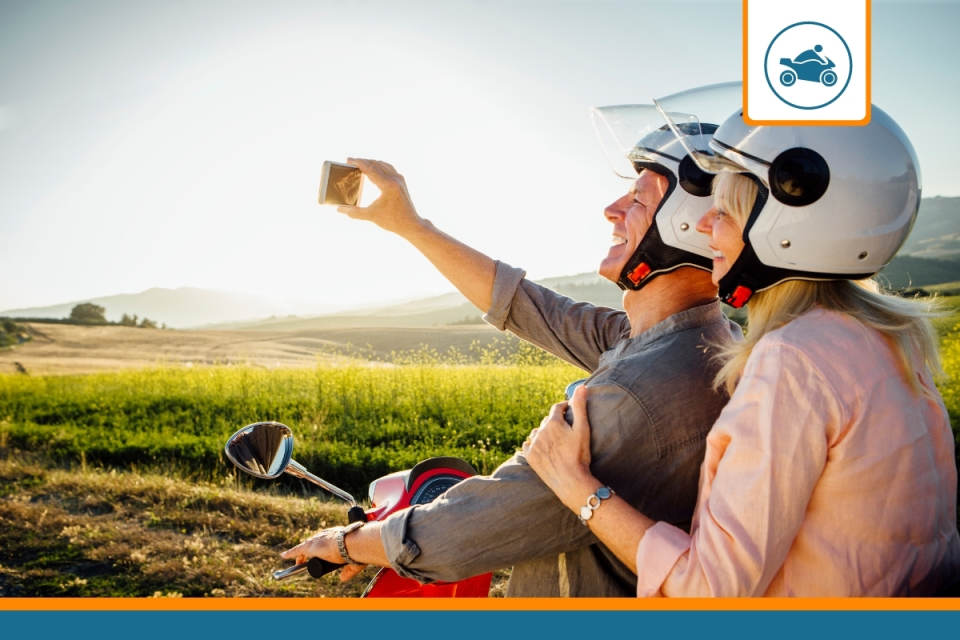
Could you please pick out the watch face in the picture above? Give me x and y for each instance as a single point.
(585, 513)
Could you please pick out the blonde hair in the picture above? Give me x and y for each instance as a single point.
(904, 323)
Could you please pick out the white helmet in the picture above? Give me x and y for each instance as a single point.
(835, 202)
(672, 240)
(636, 138)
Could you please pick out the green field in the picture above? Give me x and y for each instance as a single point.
(105, 479)
(351, 423)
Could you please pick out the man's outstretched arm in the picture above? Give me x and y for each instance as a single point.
(470, 271)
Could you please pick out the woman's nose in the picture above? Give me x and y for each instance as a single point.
(705, 223)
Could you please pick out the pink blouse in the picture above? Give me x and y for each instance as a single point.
(825, 475)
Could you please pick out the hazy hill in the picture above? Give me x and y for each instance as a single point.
(936, 233)
(183, 307)
(451, 308)
(910, 271)
(931, 255)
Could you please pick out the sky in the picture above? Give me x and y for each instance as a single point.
(147, 144)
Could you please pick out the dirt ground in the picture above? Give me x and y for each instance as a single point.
(66, 349)
(61, 349)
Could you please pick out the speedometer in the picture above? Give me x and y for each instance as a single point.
(431, 489)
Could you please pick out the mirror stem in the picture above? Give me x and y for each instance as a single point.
(298, 470)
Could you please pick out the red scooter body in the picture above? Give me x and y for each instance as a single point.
(419, 485)
(264, 450)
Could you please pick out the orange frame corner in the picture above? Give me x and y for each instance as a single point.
(820, 123)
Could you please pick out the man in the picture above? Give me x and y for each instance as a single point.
(651, 399)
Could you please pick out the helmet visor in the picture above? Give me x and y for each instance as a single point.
(695, 112)
(628, 134)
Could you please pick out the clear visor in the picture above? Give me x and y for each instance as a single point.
(620, 128)
(687, 113)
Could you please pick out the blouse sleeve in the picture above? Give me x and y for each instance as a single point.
(765, 454)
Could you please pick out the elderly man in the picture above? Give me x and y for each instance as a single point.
(651, 396)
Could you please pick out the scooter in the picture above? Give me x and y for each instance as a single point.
(265, 449)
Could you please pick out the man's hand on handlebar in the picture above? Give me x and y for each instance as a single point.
(324, 546)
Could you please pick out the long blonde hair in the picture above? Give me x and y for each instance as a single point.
(904, 323)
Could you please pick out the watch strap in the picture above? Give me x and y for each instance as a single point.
(341, 543)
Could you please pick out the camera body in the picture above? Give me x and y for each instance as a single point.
(340, 184)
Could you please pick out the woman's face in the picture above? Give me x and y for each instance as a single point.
(726, 239)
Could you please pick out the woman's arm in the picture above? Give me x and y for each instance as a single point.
(560, 454)
(765, 456)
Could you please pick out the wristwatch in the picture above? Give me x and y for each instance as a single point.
(593, 503)
(341, 545)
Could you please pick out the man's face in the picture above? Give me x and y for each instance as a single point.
(631, 216)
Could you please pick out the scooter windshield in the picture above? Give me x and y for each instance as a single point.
(695, 112)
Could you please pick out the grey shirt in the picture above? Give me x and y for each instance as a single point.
(651, 406)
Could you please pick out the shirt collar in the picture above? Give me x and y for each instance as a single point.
(698, 316)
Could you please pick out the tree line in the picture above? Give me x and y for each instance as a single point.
(89, 313)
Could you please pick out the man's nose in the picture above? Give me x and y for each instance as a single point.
(617, 209)
(705, 223)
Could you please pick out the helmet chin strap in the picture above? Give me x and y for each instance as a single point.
(746, 276)
(652, 257)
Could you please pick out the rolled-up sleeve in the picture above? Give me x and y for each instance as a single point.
(577, 332)
(481, 524)
(765, 455)
(505, 285)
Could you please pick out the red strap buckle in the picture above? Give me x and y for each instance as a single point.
(641, 271)
(739, 296)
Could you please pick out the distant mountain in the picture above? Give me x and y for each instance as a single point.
(183, 307)
(936, 233)
(931, 255)
(450, 308)
(906, 272)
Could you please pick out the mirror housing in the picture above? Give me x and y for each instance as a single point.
(262, 449)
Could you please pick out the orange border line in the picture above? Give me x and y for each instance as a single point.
(818, 123)
(479, 604)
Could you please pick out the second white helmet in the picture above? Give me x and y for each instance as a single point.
(835, 203)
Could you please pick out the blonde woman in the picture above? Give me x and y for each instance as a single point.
(831, 471)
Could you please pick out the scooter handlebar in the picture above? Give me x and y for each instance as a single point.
(315, 567)
(319, 568)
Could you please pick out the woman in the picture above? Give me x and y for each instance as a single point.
(831, 470)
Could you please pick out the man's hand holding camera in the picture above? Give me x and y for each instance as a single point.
(392, 210)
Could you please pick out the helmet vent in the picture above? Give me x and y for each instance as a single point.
(863, 254)
(798, 177)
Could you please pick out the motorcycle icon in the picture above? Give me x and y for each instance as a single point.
(808, 66)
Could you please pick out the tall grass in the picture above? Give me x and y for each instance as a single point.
(351, 423)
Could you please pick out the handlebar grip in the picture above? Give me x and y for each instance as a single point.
(319, 568)
(356, 514)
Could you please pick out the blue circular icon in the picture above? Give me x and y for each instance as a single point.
(805, 76)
